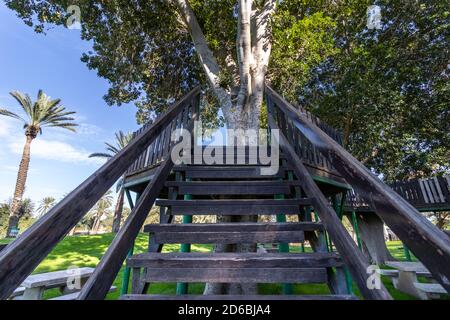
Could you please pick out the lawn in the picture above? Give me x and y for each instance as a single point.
(86, 251)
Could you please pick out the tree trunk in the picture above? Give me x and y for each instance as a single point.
(118, 212)
(96, 224)
(20, 185)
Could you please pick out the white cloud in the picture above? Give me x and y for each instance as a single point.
(88, 129)
(55, 150)
(5, 127)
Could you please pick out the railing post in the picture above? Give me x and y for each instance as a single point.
(356, 228)
(126, 272)
(182, 288)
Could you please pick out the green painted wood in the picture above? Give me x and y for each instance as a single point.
(126, 272)
(182, 288)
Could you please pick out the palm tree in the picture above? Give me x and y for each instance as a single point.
(45, 205)
(122, 140)
(101, 208)
(44, 112)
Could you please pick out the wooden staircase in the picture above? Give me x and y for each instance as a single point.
(230, 191)
(308, 152)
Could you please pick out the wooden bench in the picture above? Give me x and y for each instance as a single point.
(34, 286)
(407, 273)
(74, 295)
(430, 290)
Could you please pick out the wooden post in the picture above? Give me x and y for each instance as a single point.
(182, 288)
(126, 272)
(407, 253)
(355, 227)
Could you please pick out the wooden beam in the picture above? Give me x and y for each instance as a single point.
(98, 284)
(23, 255)
(352, 256)
(429, 244)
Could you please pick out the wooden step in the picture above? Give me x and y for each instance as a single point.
(224, 155)
(233, 187)
(234, 267)
(234, 260)
(234, 207)
(229, 233)
(236, 297)
(236, 275)
(227, 172)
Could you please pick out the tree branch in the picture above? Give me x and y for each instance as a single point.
(206, 56)
(244, 50)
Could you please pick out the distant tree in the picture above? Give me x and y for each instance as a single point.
(440, 219)
(24, 214)
(45, 205)
(101, 209)
(122, 140)
(44, 112)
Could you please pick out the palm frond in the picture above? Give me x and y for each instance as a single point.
(7, 113)
(100, 155)
(24, 101)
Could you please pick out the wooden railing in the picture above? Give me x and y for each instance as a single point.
(281, 118)
(22, 256)
(431, 194)
(153, 154)
(306, 150)
(425, 240)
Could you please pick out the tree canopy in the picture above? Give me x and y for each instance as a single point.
(387, 89)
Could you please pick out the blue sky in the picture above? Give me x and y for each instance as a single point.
(59, 158)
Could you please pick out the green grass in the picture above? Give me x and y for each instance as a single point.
(86, 251)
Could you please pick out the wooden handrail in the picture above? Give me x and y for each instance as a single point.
(429, 244)
(23, 255)
(355, 260)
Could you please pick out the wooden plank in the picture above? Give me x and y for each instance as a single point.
(237, 275)
(354, 259)
(234, 227)
(408, 266)
(425, 240)
(430, 288)
(234, 206)
(23, 255)
(235, 297)
(230, 237)
(74, 295)
(233, 187)
(54, 278)
(226, 172)
(234, 260)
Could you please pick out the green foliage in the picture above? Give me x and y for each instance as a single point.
(387, 89)
(122, 140)
(24, 212)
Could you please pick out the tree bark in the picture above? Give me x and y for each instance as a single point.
(20, 185)
(118, 212)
